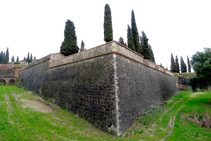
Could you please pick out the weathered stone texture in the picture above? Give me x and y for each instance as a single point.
(6, 72)
(32, 76)
(108, 85)
(139, 88)
(84, 88)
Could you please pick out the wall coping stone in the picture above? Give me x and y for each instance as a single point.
(36, 63)
(104, 49)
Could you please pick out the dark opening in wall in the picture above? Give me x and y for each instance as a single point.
(11, 82)
(2, 82)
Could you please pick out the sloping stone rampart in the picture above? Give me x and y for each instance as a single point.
(109, 85)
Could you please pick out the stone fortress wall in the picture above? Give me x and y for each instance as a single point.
(109, 85)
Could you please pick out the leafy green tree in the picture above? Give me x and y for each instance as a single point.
(177, 65)
(135, 34)
(69, 45)
(183, 66)
(145, 51)
(173, 64)
(82, 46)
(152, 58)
(7, 55)
(108, 31)
(130, 41)
(201, 63)
(189, 66)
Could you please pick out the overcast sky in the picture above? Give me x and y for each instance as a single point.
(182, 27)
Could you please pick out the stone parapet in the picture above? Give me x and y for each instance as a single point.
(36, 63)
(11, 66)
(110, 47)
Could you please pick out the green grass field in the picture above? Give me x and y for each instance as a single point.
(26, 116)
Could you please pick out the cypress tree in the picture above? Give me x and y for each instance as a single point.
(177, 65)
(31, 58)
(13, 59)
(130, 41)
(82, 45)
(183, 65)
(152, 58)
(34, 57)
(1, 57)
(17, 60)
(125, 44)
(69, 45)
(189, 66)
(27, 60)
(7, 55)
(4, 59)
(121, 41)
(144, 45)
(135, 33)
(108, 31)
(173, 64)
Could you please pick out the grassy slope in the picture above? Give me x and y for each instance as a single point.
(18, 122)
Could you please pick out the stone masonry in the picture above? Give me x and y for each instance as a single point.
(109, 85)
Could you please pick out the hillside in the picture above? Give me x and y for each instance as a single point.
(26, 116)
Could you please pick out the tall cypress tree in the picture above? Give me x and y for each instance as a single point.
(144, 45)
(130, 41)
(17, 60)
(135, 33)
(27, 60)
(177, 65)
(1, 56)
(82, 46)
(183, 65)
(31, 58)
(152, 58)
(189, 66)
(108, 31)
(7, 55)
(173, 64)
(69, 45)
(13, 59)
(4, 59)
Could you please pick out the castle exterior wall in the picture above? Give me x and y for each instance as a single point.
(32, 76)
(139, 89)
(109, 85)
(8, 71)
(85, 88)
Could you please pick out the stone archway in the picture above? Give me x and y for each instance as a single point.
(6, 80)
(2, 81)
(11, 82)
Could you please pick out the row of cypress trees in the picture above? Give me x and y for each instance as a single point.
(183, 67)
(134, 41)
(4, 57)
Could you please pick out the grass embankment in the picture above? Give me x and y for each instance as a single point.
(25, 116)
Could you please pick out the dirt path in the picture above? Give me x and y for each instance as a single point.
(170, 124)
